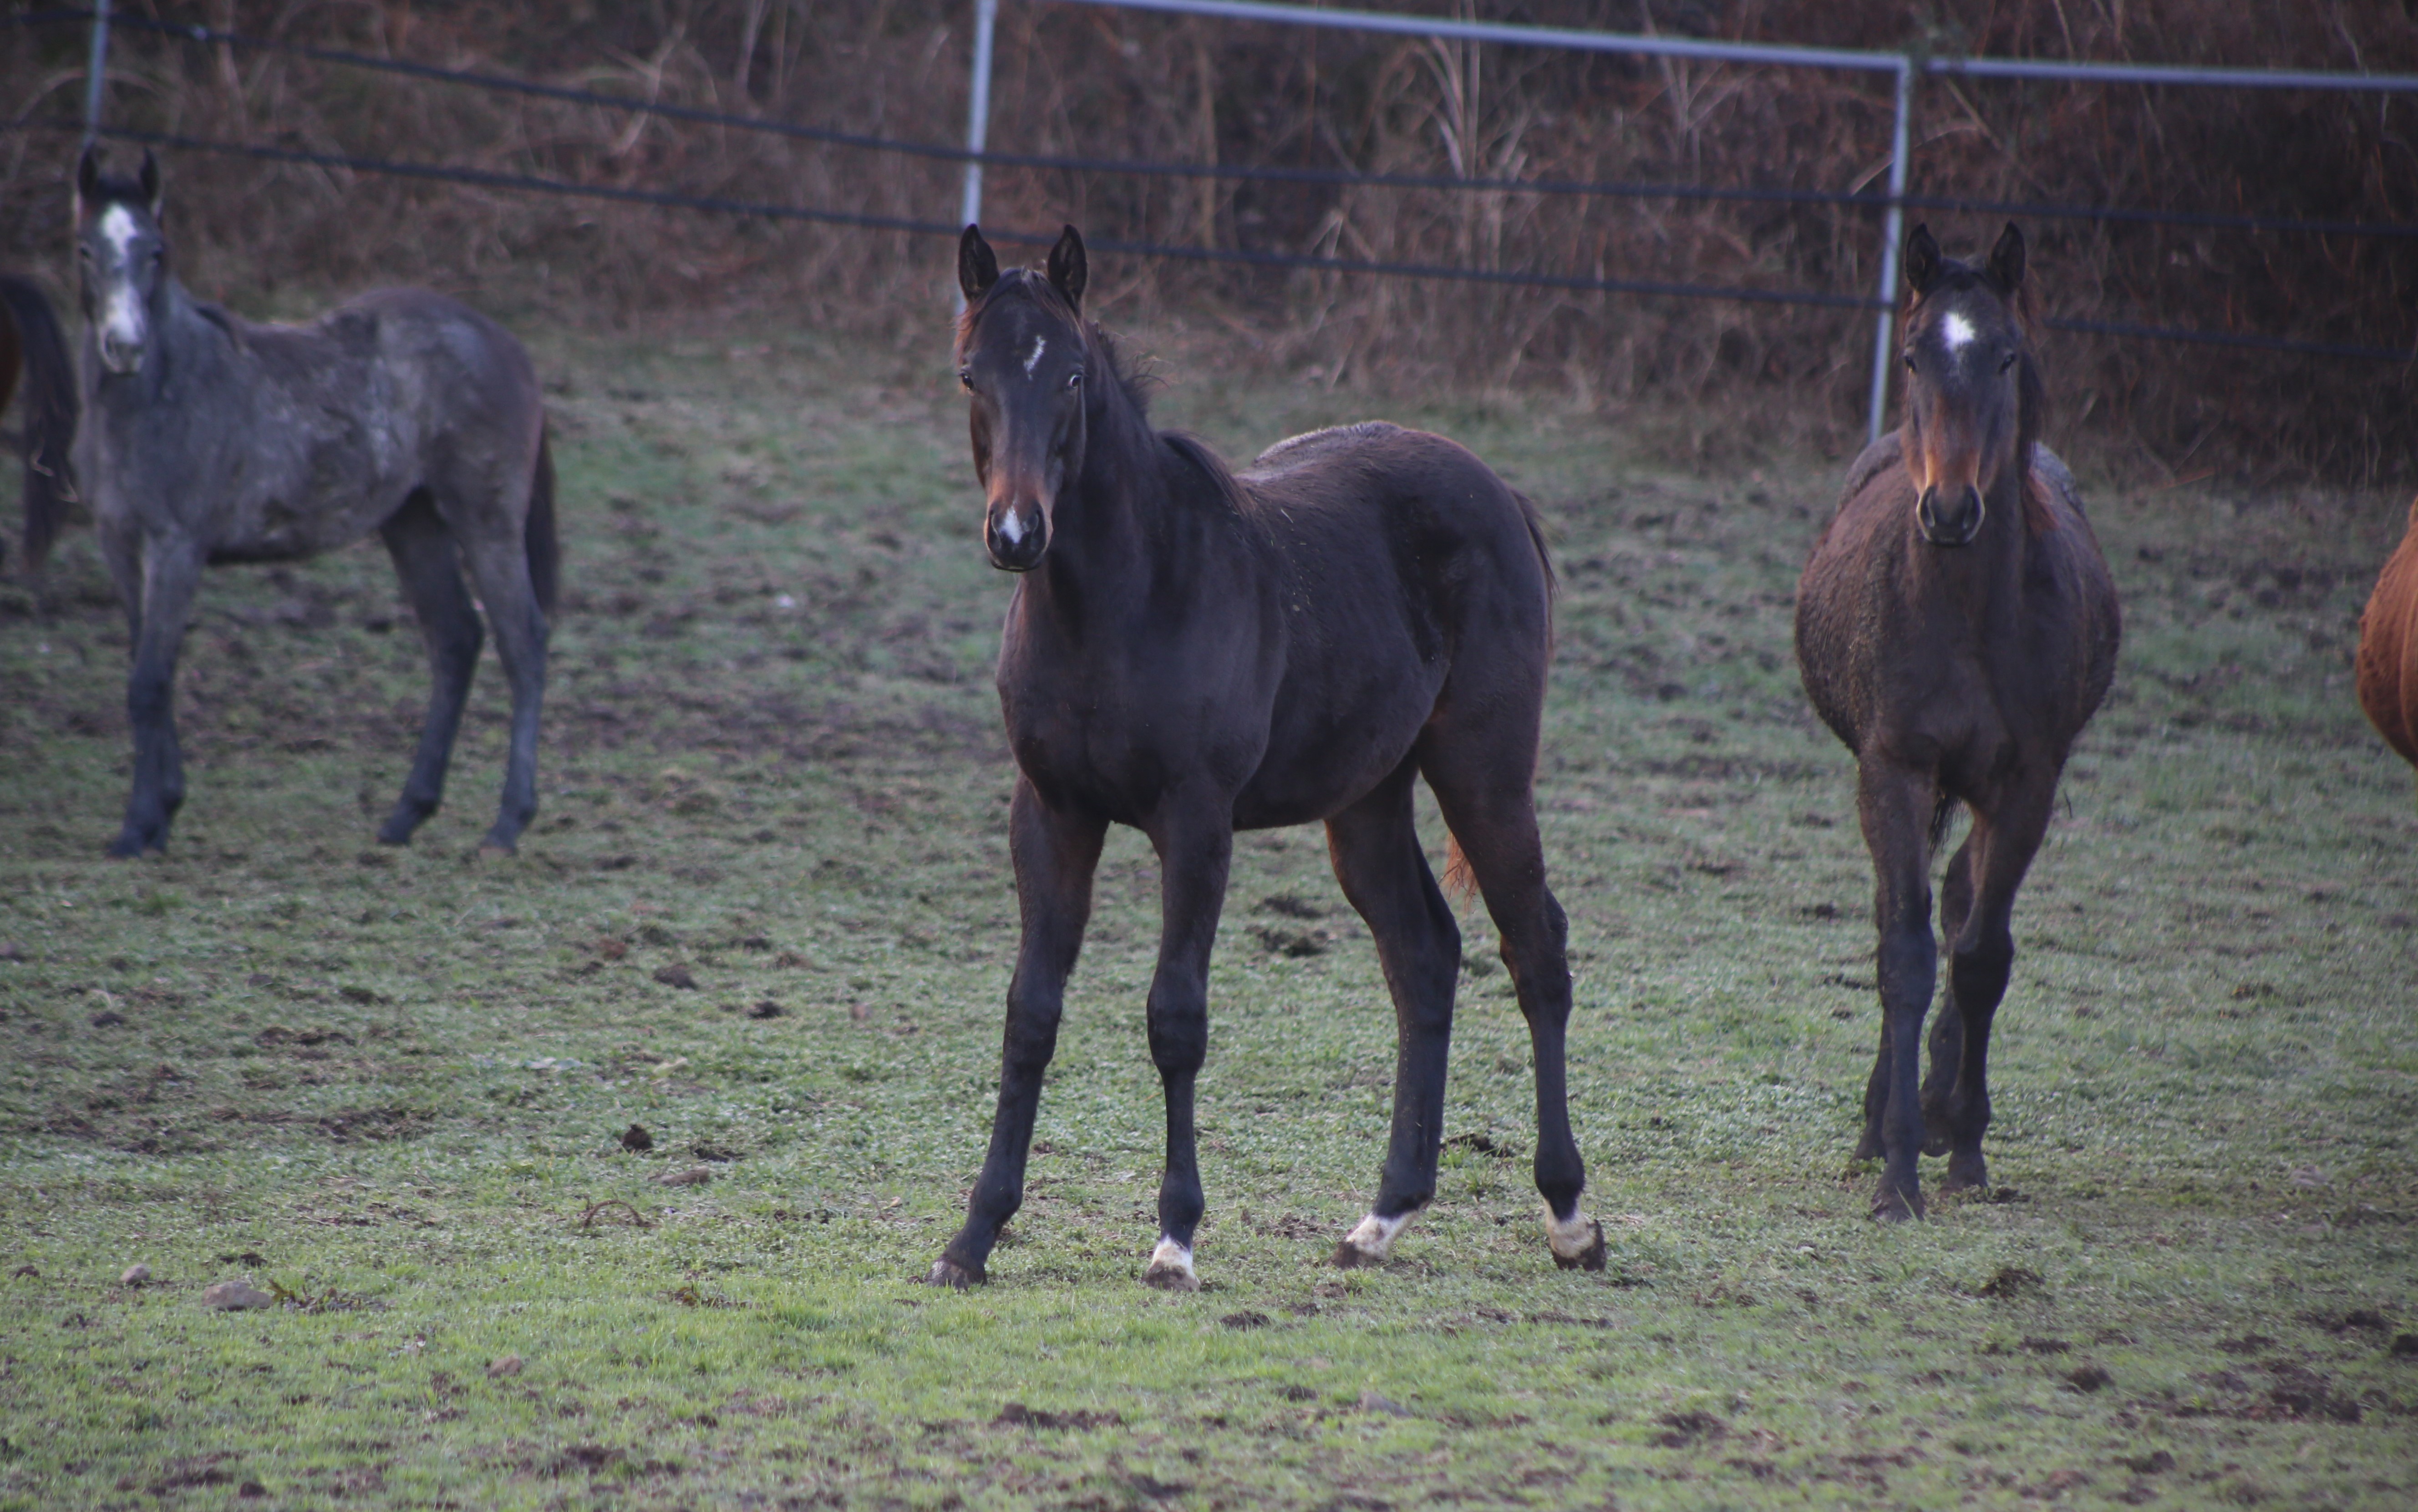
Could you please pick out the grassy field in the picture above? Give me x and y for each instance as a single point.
(765, 913)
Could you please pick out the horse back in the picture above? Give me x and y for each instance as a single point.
(2387, 667)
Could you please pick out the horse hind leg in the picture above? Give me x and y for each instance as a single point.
(1981, 955)
(1485, 787)
(499, 564)
(1375, 848)
(427, 563)
(1947, 1030)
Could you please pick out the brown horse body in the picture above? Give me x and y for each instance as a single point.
(34, 350)
(1956, 628)
(2388, 648)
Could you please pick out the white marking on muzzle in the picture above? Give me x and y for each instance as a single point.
(1374, 1236)
(1957, 330)
(1035, 361)
(1011, 526)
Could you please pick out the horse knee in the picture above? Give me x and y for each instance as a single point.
(1178, 1042)
(1978, 972)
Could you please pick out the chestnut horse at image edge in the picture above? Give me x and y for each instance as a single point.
(1956, 628)
(1193, 652)
(2388, 648)
(33, 355)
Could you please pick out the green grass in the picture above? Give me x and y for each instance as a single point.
(392, 1083)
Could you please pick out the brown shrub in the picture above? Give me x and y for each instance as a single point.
(1077, 80)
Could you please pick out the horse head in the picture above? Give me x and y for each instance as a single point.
(1021, 356)
(1972, 392)
(121, 257)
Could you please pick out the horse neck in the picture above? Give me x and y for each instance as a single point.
(1109, 530)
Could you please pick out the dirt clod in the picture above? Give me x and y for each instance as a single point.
(2405, 1346)
(636, 1140)
(504, 1368)
(1685, 1428)
(1016, 1415)
(676, 976)
(694, 1176)
(135, 1275)
(1246, 1318)
(236, 1296)
(1377, 1402)
(2013, 1281)
(2089, 1378)
(766, 1008)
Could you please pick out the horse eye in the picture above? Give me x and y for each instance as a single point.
(966, 379)
(1075, 379)
(2007, 362)
(1909, 361)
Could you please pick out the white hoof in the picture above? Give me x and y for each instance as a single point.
(1170, 1268)
(1371, 1240)
(1577, 1242)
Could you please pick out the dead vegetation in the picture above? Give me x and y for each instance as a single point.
(1103, 84)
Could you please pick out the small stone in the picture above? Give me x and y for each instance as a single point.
(508, 1367)
(694, 1176)
(236, 1296)
(636, 1140)
(135, 1275)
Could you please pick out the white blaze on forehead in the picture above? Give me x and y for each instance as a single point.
(122, 311)
(1957, 330)
(1035, 360)
(117, 228)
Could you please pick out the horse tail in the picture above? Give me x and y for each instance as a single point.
(544, 552)
(1943, 814)
(1458, 880)
(50, 416)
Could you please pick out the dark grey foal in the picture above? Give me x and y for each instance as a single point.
(207, 439)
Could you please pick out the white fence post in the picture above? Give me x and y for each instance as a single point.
(977, 117)
(1892, 237)
(96, 69)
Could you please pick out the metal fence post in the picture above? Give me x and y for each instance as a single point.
(98, 66)
(1892, 237)
(977, 117)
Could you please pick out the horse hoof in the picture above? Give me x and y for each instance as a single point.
(1586, 1257)
(1890, 1205)
(1965, 1173)
(489, 851)
(1170, 1268)
(956, 1276)
(1351, 1257)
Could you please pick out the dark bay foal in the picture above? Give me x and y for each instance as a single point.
(34, 358)
(1193, 652)
(207, 439)
(1956, 628)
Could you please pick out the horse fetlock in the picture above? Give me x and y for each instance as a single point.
(1967, 1172)
(1897, 1200)
(1170, 1267)
(1577, 1240)
(1371, 1240)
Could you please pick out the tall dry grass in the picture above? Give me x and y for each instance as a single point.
(1081, 80)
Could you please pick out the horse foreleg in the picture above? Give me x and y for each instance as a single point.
(1981, 956)
(1375, 848)
(501, 571)
(428, 565)
(1055, 854)
(1195, 845)
(1492, 810)
(1895, 804)
(170, 571)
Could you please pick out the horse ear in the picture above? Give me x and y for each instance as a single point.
(87, 180)
(149, 180)
(1922, 261)
(2007, 259)
(977, 265)
(1067, 270)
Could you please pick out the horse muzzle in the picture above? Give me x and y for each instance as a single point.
(121, 356)
(1016, 536)
(1951, 527)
